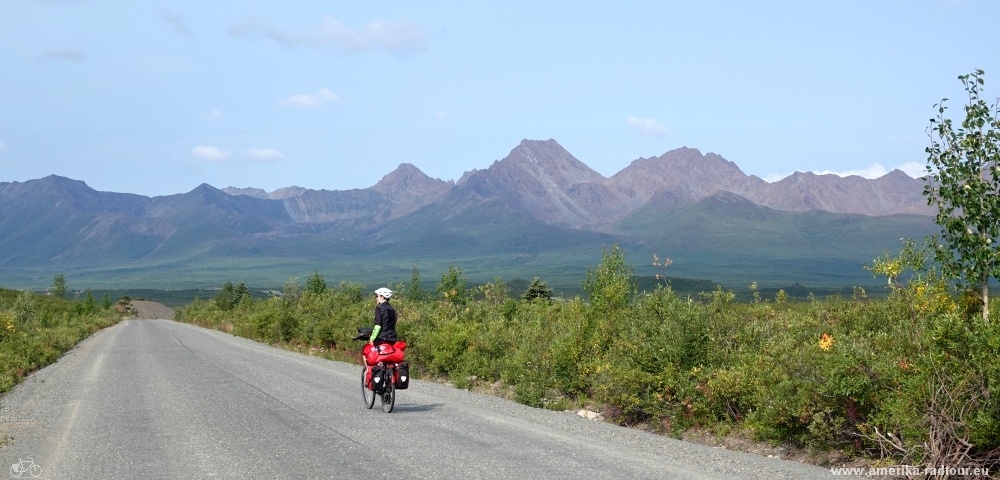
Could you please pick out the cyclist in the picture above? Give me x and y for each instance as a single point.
(385, 319)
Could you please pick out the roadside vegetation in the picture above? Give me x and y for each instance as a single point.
(36, 329)
(874, 378)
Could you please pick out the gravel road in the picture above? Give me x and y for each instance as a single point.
(160, 399)
(148, 310)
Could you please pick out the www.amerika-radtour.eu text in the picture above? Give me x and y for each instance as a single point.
(904, 470)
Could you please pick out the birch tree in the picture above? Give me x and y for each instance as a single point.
(963, 182)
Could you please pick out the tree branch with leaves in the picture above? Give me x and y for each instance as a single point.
(963, 182)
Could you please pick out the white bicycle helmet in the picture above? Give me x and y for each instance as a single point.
(384, 292)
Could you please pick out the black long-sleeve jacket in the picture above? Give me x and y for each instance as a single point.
(385, 321)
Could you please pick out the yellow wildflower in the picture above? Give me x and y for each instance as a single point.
(825, 341)
(6, 322)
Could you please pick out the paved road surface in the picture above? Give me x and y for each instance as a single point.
(159, 399)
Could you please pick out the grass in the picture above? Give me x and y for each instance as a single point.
(562, 271)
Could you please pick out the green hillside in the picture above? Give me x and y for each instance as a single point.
(734, 241)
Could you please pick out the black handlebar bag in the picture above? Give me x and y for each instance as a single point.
(364, 333)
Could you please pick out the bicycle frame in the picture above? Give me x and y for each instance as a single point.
(387, 394)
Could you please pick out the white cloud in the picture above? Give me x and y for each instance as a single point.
(914, 169)
(176, 21)
(312, 100)
(211, 154)
(2, 147)
(774, 177)
(61, 54)
(440, 114)
(249, 156)
(400, 38)
(263, 155)
(647, 126)
(214, 114)
(874, 171)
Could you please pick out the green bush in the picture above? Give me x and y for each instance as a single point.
(36, 329)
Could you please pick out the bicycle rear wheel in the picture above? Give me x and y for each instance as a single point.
(389, 394)
(366, 393)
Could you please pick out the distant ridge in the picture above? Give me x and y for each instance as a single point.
(685, 175)
(550, 184)
(539, 209)
(892, 193)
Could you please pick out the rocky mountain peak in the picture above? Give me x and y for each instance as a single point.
(286, 192)
(203, 189)
(466, 176)
(543, 179)
(546, 158)
(56, 185)
(407, 177)
(59, 180)
(895, 192)
(899, 177)
(56, 192)
(686, 174)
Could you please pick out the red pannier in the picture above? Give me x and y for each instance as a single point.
(384, 353)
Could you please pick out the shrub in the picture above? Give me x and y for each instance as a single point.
(58, 287)
(452, 286)
(315, 285)
(537, 289)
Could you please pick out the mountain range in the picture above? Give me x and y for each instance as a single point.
(537, 212)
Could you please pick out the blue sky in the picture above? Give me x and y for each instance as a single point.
(157, 98)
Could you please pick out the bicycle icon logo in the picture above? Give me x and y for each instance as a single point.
(25, 466)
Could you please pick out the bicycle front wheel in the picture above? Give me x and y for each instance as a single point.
(366, 393)
(388, 396)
